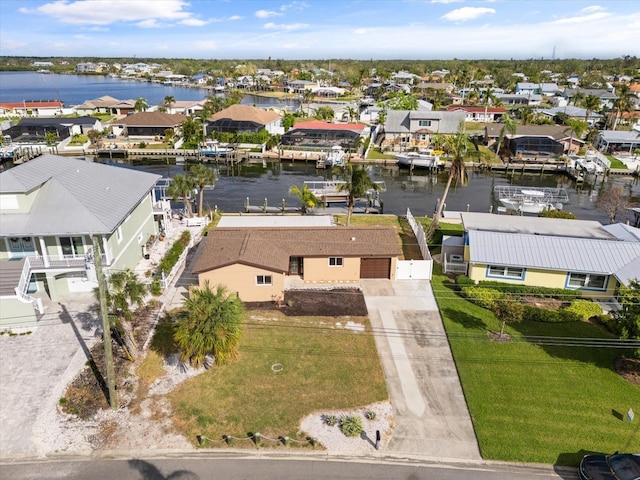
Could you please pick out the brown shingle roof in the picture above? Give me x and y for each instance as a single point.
(152, 119)
(270, 248)
(246, 113)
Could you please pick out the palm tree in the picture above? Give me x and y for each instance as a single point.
(578, 98)
(140, 105)
(356, 183)
(526, 115)
(181, 187)
(352, 113)
(307, 96)
(622, 104)
(488, 98)
(168, 101)
(202, 176)
(123, 291)
(307, 197)
(457, 148)
(509, 126)
(209, 324)
(590, 103)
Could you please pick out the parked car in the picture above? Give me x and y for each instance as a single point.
(619, 466)
(111, 136)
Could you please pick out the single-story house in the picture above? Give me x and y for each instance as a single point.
(106, 105)
(477, 113)
(245, 119)
(571, 111)
(316, 133)
(52, 209)
(512, 99)
(147, 124)
(261, 263)
(405, 129)
(536, 139)
(606, 97)
(617, 140)
(185, 107)
(33, 130)
(549, 252)
(31, 108)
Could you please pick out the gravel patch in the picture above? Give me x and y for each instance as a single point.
(335, 442)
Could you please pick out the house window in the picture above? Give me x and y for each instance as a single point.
(586, 280)
(424, 123)
(501, 271)
(423, 137)
(264, 280)
(335, 261)
(72, 246)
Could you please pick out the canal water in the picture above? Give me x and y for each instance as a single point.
(418, 191)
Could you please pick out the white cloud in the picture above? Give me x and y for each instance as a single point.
(592, 8)
(294, 5)
(149, 23)
(361, 31)
(193, 22)
(446, 1)
(582, 18)
(467, 13)
(82, 37)
(287, 27)
(99, 12)
(236, 17)
(267, 14)
(11, 44)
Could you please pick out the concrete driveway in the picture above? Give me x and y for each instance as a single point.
(432, 418)
(35, 370)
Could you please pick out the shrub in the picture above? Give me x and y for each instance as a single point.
(566, 315)
(370, 415)
(142, 145)
(508, 310)
(351, 426)
(156, 286)
(584, 308)
(463, 280)
(330, 420)
(531, 291)
(483, 297)
(535, 314)
(172, 256)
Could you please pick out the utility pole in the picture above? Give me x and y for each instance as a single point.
(108, 351)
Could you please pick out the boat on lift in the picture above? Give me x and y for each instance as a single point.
(423, 158)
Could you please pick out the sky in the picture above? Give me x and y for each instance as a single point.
(321, 29)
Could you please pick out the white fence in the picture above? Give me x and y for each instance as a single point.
(416, 269)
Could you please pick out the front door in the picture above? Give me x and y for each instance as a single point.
(296, 266)
(72, 246)
(21, 247)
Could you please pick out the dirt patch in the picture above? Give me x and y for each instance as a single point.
(339, 302)
(496, 337)
(546, 303)
(629, 369)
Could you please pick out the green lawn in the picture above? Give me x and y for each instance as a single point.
(531, 403)
(324, 367)
(615, 163)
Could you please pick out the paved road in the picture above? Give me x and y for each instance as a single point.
(432, 418)
(274, 466)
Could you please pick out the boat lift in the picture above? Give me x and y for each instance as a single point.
(546, 194)
(330, 192)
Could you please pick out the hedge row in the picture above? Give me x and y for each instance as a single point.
(172, 256)
(514, 289)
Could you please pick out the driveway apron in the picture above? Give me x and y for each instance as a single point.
(432, 418)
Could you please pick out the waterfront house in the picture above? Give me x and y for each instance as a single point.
(244, 119)
(405, 129)
(319, 134)
(147, 124)
(105, 105)
(51, 210)
(618, 141)
(34, 130)
(31, 108)
(536, 139)
(261, 263)
(548, 252)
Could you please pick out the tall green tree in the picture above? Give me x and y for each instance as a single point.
(168, 101)
(627, 320)
(307, 198)
(192, 131)
(209, 324)
(202, 176)
(140, 105)
(457, 149)
(182, 187)
(508, 126)
(357, 184)
(124, 291)
(591, 103)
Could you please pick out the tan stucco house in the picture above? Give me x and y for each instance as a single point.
(261, 263)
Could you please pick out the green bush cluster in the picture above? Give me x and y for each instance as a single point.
(462, 280)
(531, 291)
(172, 256)
(351, 426)
(535, 314)
(585, 308)
(483, 297)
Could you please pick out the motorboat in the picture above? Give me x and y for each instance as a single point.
(424, 158)
(335, 157)
(529, 201)
(212, 148)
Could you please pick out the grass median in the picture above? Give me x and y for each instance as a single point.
(287, 369)
(532, 403)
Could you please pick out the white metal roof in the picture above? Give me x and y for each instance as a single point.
(534, 225)
(282, 221)
(73, 196)
(583, 255)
